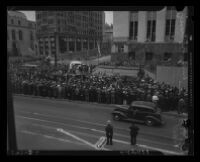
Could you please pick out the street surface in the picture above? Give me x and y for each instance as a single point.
(50, 124)
(93, 61)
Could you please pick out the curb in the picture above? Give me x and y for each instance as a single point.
(61, 99)
(95, 103)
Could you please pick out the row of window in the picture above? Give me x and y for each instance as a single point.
(20, 35)
(149, 56)
(30, 24)
(18, 22)
(63, 47)
(151, 29)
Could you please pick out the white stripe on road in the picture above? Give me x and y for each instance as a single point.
(77, 138)
(120, 141)
(92, 123)
(87, 128)
(80, 139)
(51, 137)
(115, 140)
(100, 131)
(151, 148)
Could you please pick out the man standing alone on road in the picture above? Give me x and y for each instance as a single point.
(133, 133)
(109, 133)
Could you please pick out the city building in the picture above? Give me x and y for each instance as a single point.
(149, 37)
(107, 39)
(64, 32)
(21, 38)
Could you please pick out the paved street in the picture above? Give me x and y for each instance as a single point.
(93, 61)
(64, 125)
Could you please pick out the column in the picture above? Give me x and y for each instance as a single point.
(142, 26)
(160, 25)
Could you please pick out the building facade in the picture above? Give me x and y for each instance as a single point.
(108, 33)
(21, 38)
(146, 37)
(62, 32)
(107, 39)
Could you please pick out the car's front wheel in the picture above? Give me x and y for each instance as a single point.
(116, 117)
(149, 122)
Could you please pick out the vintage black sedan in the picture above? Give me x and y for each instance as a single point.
(139, 112)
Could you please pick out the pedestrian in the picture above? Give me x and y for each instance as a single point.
(109, 133)
(133, 133)
(181, 105)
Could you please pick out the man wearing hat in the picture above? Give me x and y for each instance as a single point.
(133, 133)
(109, 132)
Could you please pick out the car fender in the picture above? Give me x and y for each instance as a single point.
(153, 118)
(119, 113)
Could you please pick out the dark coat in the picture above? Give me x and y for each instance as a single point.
(133, 130)
(109, 130)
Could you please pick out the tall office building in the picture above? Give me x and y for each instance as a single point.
(64, 32)
(149, 37)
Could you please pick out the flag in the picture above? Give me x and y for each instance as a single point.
(98, 49)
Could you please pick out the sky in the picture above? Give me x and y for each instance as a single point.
(109, 16)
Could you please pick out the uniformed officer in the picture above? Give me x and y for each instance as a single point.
(133, 133)
(109, 133)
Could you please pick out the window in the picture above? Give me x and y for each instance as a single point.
(7, 35)
(20, 35)
(121, 48)
(148, 56)
(13, 35)
(19, 23)
(131, 30)
(31, 35)
(12, 21)
(151, 28)
(167, 56)
(170, 29)
(132, 55)
(185, 56)
(135, 28)
(50, 21)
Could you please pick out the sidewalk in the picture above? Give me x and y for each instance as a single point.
(170, 113)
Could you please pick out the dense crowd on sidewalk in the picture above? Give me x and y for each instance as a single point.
(99, 87)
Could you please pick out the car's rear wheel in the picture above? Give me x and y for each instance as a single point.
(116, 117)
(149, 122)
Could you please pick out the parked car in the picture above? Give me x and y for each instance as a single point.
(140, 112)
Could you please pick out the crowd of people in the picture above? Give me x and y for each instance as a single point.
(99, 87)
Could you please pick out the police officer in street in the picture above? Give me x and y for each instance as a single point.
(109, 133)
(133, 133)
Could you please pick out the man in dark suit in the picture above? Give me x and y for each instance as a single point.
(109, 133)
(133, 133)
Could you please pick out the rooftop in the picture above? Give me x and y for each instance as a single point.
(17, 14)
